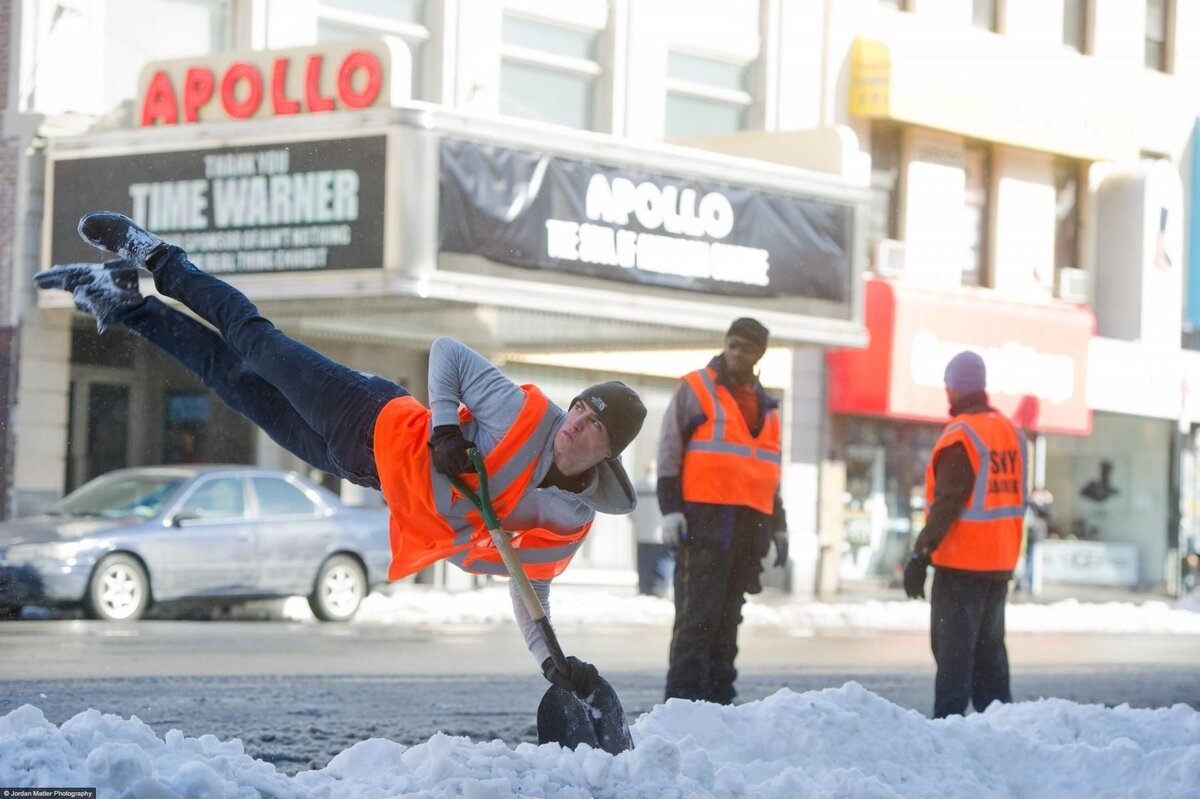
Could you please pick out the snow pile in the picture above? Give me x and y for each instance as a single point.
(419, 606)
(844, 742)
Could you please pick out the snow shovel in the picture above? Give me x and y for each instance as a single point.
(562, 718)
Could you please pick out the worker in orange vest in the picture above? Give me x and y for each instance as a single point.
(975, 500)
(718, 489)
(551, 470)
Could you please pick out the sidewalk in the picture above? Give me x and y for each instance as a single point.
(882, 589)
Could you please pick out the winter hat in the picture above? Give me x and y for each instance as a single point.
(750, 329)
(966, 373)
(619, 409)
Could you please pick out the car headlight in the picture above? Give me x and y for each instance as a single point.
(63, 550)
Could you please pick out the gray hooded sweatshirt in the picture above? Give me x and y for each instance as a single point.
(458, 374)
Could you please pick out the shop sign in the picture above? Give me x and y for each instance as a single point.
(263, 208)
(1036, 357)
(542, 211)
(349, 75)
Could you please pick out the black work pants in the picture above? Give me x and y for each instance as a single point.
(967, 634)
(317, 409)
(710, 590)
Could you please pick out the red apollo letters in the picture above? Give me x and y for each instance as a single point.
(240, 89)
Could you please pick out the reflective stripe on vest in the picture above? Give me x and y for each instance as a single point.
(987, 534)
(722, 447)
(456, 509)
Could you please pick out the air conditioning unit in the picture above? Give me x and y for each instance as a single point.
(1072, 285)
(889, 258)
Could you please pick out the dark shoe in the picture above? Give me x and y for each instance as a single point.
(118, 234)
(104, 291)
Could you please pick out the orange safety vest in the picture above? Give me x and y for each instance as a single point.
(722, 463)
(987, 536)
(430, 520)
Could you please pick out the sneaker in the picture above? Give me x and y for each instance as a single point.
(118, 234)
(104, 291)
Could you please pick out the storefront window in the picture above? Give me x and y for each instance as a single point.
(706, 96)
(405, 19)
(549, 72)
(884, 500)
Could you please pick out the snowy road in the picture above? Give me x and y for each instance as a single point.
(297, 693)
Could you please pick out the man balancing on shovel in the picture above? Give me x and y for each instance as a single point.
(550, 470)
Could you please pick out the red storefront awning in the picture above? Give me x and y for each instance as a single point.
(1036, 356)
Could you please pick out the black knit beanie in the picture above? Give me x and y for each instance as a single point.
(619, 409)
(751, 330)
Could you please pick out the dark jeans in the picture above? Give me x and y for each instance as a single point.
(317, 409)
(710, 590)
(967, 634)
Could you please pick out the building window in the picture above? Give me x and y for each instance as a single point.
(198, 27)
(1075, 24)
(983, 15)
(405, 19)
(885, 182)
(1068, 192)
(1158, 19)
(706, 96)
(976, 213)
(549, 72)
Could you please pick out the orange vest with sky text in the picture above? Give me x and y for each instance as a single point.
(987, 536)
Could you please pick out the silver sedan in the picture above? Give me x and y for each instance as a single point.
(156, 534)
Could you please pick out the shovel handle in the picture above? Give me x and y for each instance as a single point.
(502, 540)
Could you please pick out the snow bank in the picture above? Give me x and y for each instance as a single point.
(844, 742)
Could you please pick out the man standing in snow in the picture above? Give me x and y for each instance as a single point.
(975, 495)
(718, 489)
(551, 469)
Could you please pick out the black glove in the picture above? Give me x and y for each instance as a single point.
(448, 449)
(781, 548)
(914, 575)
(583, 678)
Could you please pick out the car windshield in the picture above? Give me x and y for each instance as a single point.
(120, 496)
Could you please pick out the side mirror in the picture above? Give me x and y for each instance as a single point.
(186, 515)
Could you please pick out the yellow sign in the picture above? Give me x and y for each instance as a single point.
(870, 79)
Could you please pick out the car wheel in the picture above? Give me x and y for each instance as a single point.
(119, 590)
(339, 590)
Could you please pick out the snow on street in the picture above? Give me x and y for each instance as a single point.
(843, 741)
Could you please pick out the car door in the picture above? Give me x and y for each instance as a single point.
(208, 549)
(295, 531)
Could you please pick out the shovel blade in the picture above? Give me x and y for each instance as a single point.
(599, 721)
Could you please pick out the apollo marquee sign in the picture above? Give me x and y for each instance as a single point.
(539, 210)
(348, 75)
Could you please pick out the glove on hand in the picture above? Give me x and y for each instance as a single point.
(583, 678)
(914, 576)
(781, 548)
(448, 449)
(674, 530)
